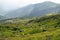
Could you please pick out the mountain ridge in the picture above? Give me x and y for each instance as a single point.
(34, 10)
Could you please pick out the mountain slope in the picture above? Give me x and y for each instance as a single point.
(35, 10)
(20, 12)
(2, 17)
(39, 28)
(45, 11)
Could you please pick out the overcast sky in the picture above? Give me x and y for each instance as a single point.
(12, 4)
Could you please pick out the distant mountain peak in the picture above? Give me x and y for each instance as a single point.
(48, 2)
(38, 9)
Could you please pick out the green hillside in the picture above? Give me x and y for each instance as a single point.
(38, 28)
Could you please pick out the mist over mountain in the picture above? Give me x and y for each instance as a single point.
(35, 10)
